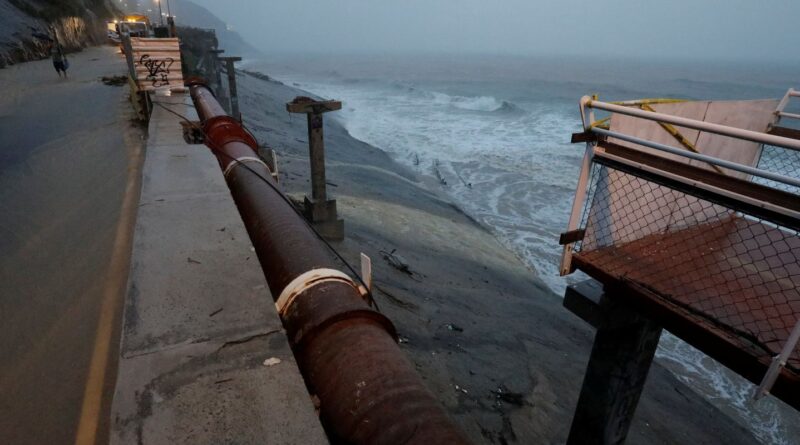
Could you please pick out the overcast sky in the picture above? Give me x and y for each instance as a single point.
(714, 29)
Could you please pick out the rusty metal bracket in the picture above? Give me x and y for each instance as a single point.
(573, 236)
(585, 136)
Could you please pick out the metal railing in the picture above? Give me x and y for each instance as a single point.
(697, 238)
(587, 105)
(724, 130)
(785, 102)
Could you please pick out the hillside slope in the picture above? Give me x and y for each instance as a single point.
(24, 25)
(190, 14)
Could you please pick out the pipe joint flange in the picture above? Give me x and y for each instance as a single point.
(221, 130)
(196, 81)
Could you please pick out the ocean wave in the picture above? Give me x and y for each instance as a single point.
(509, 108)
(476, 103)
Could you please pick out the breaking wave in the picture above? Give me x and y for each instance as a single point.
(477, 103)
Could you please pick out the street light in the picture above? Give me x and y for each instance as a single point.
(160, 14)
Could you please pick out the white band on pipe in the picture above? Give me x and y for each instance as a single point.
(242, 160)
(308, 280)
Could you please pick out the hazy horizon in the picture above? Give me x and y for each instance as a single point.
(726, 31)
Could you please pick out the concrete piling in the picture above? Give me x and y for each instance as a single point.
(232, 90)
(216, 72)
(624, 347)
(320, 210)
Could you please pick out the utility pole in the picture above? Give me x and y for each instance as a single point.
(160, 14)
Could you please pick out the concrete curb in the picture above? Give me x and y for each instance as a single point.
(199, 322)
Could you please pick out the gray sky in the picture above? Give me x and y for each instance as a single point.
(714, 29)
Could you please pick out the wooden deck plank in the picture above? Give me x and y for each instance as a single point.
(728, 287)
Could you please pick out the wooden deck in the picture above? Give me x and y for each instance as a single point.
(730, 288)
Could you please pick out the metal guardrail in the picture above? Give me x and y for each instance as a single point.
(587, 107)
(701, 157)
(724, 130)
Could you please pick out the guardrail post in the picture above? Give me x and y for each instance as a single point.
(320, 210)
(127, 48)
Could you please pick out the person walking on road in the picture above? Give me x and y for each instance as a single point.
(59, 59)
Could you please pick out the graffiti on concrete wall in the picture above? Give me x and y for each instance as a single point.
(157, 70)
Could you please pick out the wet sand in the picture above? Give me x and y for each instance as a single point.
(489, 338)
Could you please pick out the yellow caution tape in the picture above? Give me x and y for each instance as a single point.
(651, 101)
(602, 123)
(677, 135)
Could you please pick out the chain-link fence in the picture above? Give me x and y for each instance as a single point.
(729, 269)
(782, 161)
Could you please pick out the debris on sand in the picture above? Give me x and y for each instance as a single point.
(272, 361)
(453, 327)
(115, 81)
(397, 261)
(216, 312)
(438, 172)
(502, 394)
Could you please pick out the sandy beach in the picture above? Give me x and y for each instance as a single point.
(492, 342)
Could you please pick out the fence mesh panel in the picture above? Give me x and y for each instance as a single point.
(782, 161)
(734, 271)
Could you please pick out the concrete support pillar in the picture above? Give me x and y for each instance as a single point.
(316, 152)
(320, 210)
(232, 91)
(623, 351)
(216, 72)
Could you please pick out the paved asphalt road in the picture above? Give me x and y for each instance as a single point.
(69, 163)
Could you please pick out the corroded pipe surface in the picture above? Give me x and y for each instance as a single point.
(369, 392)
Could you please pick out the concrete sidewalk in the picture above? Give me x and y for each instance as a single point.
(199, 321)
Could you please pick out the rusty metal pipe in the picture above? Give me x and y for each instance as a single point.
(369, 392)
